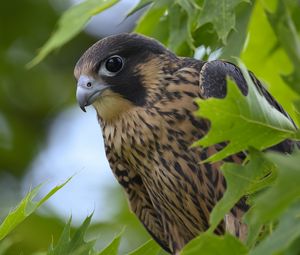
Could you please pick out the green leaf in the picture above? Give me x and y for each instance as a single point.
(70, 24)
(270, 204)
(192, 11)
(112, 248)
(243, 121)
(149, 21)
(238, 36)
(221, 14)
(75, 245)
(182, 21)
(261, 58)
(241, 180)
(287, 231)
(288, 37)
(148, 248)
(26, 207)
(178, 26)
(141, 4)
(210, 244)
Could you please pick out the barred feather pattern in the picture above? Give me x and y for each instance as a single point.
(148, 149)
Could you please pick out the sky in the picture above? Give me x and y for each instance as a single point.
(74, 148)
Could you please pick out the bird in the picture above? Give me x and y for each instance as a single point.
(144, 95)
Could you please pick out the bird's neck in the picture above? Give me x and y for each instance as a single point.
(111, 107)
(132, 128)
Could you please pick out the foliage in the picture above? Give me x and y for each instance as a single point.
(148, 248)
(26, 207)
(242, 180)
(211, 244)
(112, 248)
(77, 245)
(221, 15)
(244, 121)
(182, 25)
(284, 194)
(71, 23)
(74, 244)
(264, 34)
(66, 244)
(284, 27)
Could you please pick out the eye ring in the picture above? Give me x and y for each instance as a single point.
(114, 64)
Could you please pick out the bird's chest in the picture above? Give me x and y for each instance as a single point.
(151, 146)
(151, 152)
(129, 146)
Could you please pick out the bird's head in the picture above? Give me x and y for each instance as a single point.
(116, 73)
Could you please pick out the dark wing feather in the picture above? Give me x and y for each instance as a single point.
(213, 84)
(139, 199)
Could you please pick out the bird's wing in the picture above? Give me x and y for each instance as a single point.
(139, 201)
(213, 82)
(141, 205)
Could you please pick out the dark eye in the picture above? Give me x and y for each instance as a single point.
(114, 64)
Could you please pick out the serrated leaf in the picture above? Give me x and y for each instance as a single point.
(240, 181)
(192, 11)
(70, 24)
(64, 239)
(287, 231)
(182, 21)
(75, 245)
(148, 248)
(210, 244)
(178, 27)
(26, 207)
(270, 204)
(237, 38)
(112, 248)
(221, 14)
(242, 121)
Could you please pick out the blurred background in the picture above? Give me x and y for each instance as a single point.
(46, 138)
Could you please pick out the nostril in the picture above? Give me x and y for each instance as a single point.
(89, 84)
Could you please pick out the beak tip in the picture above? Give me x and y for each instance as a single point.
(82, 108)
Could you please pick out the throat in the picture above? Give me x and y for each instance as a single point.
(111, 106)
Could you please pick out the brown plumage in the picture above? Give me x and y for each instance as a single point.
(143, 95)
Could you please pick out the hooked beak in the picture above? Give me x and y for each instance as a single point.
(88, 90)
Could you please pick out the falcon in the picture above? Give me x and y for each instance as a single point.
(144, 98)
